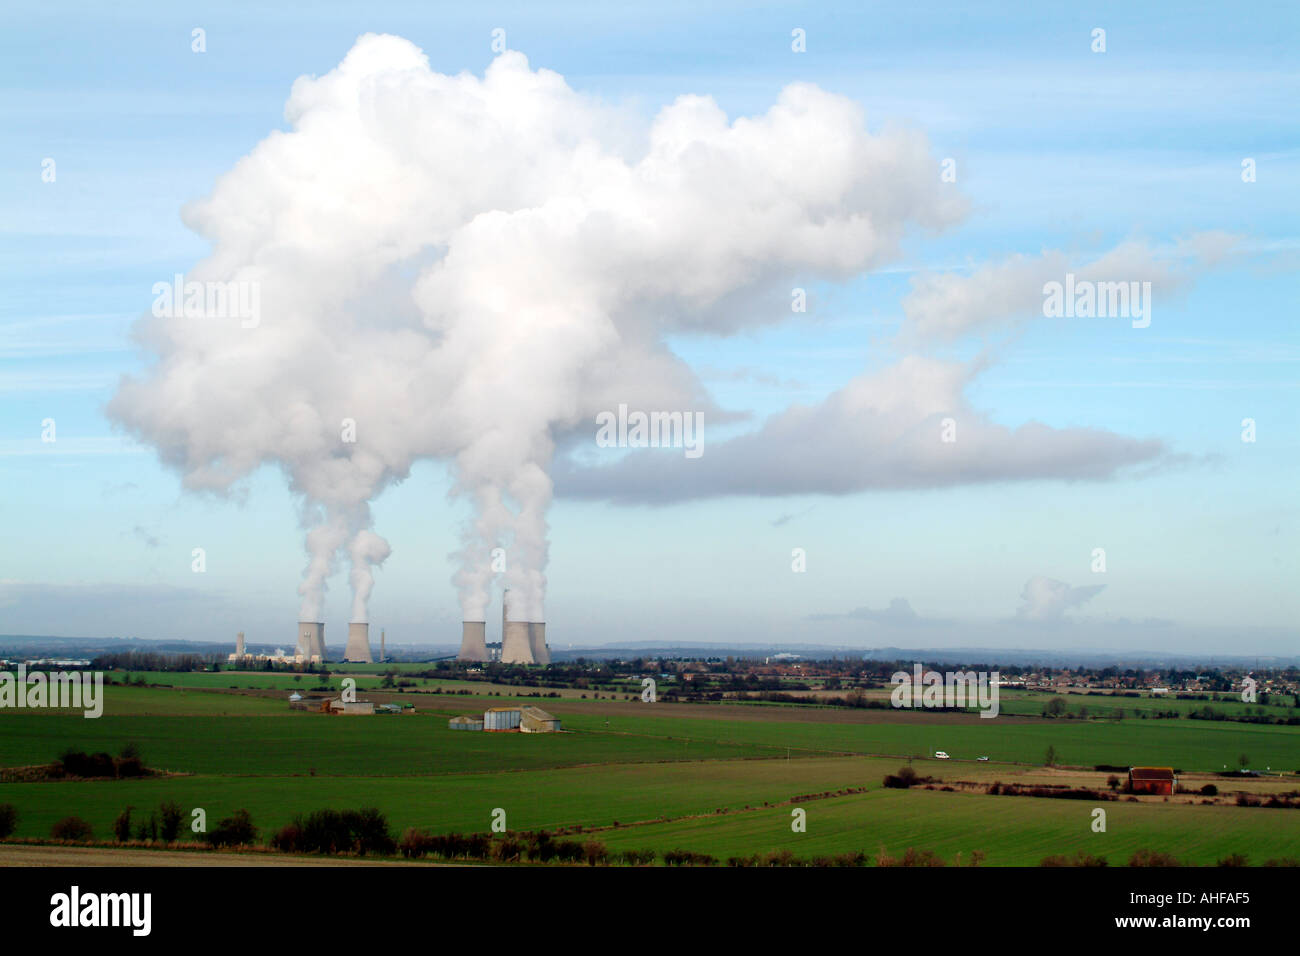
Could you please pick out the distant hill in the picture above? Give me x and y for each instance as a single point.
(41, 645)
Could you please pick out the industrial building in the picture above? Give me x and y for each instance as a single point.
(309, 646)
(534, 720)
(527, 720)
(502, 718)
(351, 707)
(280, 656)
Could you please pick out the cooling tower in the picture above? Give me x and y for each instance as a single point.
(537, 642)
(358, 649)
(239, 645)
(473, 641)
(516, 648)
(311, 639)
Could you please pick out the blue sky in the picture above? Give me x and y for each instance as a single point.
(1057, 147)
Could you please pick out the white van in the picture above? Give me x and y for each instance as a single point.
(940, 755)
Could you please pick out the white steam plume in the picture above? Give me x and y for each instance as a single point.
(471, 268)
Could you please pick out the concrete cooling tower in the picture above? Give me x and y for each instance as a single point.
(516, 648)
(473, 641)
(521, 642)
(358, 649)
(311, 639)
(537, 642)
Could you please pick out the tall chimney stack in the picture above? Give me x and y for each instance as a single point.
(473, 641)
(383, 651)
(358, 649)
(505, 601)
(239, 644)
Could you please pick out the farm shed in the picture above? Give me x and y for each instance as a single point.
(466, 722)
(1157, 780)
(501, 718)
(534, 720)
(351, 707)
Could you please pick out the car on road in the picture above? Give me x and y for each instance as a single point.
(940, 755)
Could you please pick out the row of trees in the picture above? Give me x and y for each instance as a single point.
(164, 824)
(77, 763)
(366, 831)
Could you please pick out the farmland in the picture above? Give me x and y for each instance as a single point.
(712, 778)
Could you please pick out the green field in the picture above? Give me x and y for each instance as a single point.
(588, 796)
(1009, 831)
(1105, 705)
(289, 744)
(1184, 744)
(711, 779)
(233, 680)
(285, 742)
(120, 701)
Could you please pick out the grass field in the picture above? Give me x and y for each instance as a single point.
(287, 742)
(1185, 744)
(1105, 704)
(299, 743)
(1009, 831)
(670, 776)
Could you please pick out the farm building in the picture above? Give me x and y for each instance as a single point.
(502, 718)
(534, 720)
(338, 706)
(1157, 780)
(528, 720)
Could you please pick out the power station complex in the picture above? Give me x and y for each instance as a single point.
(522, 642)
(311, 643)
